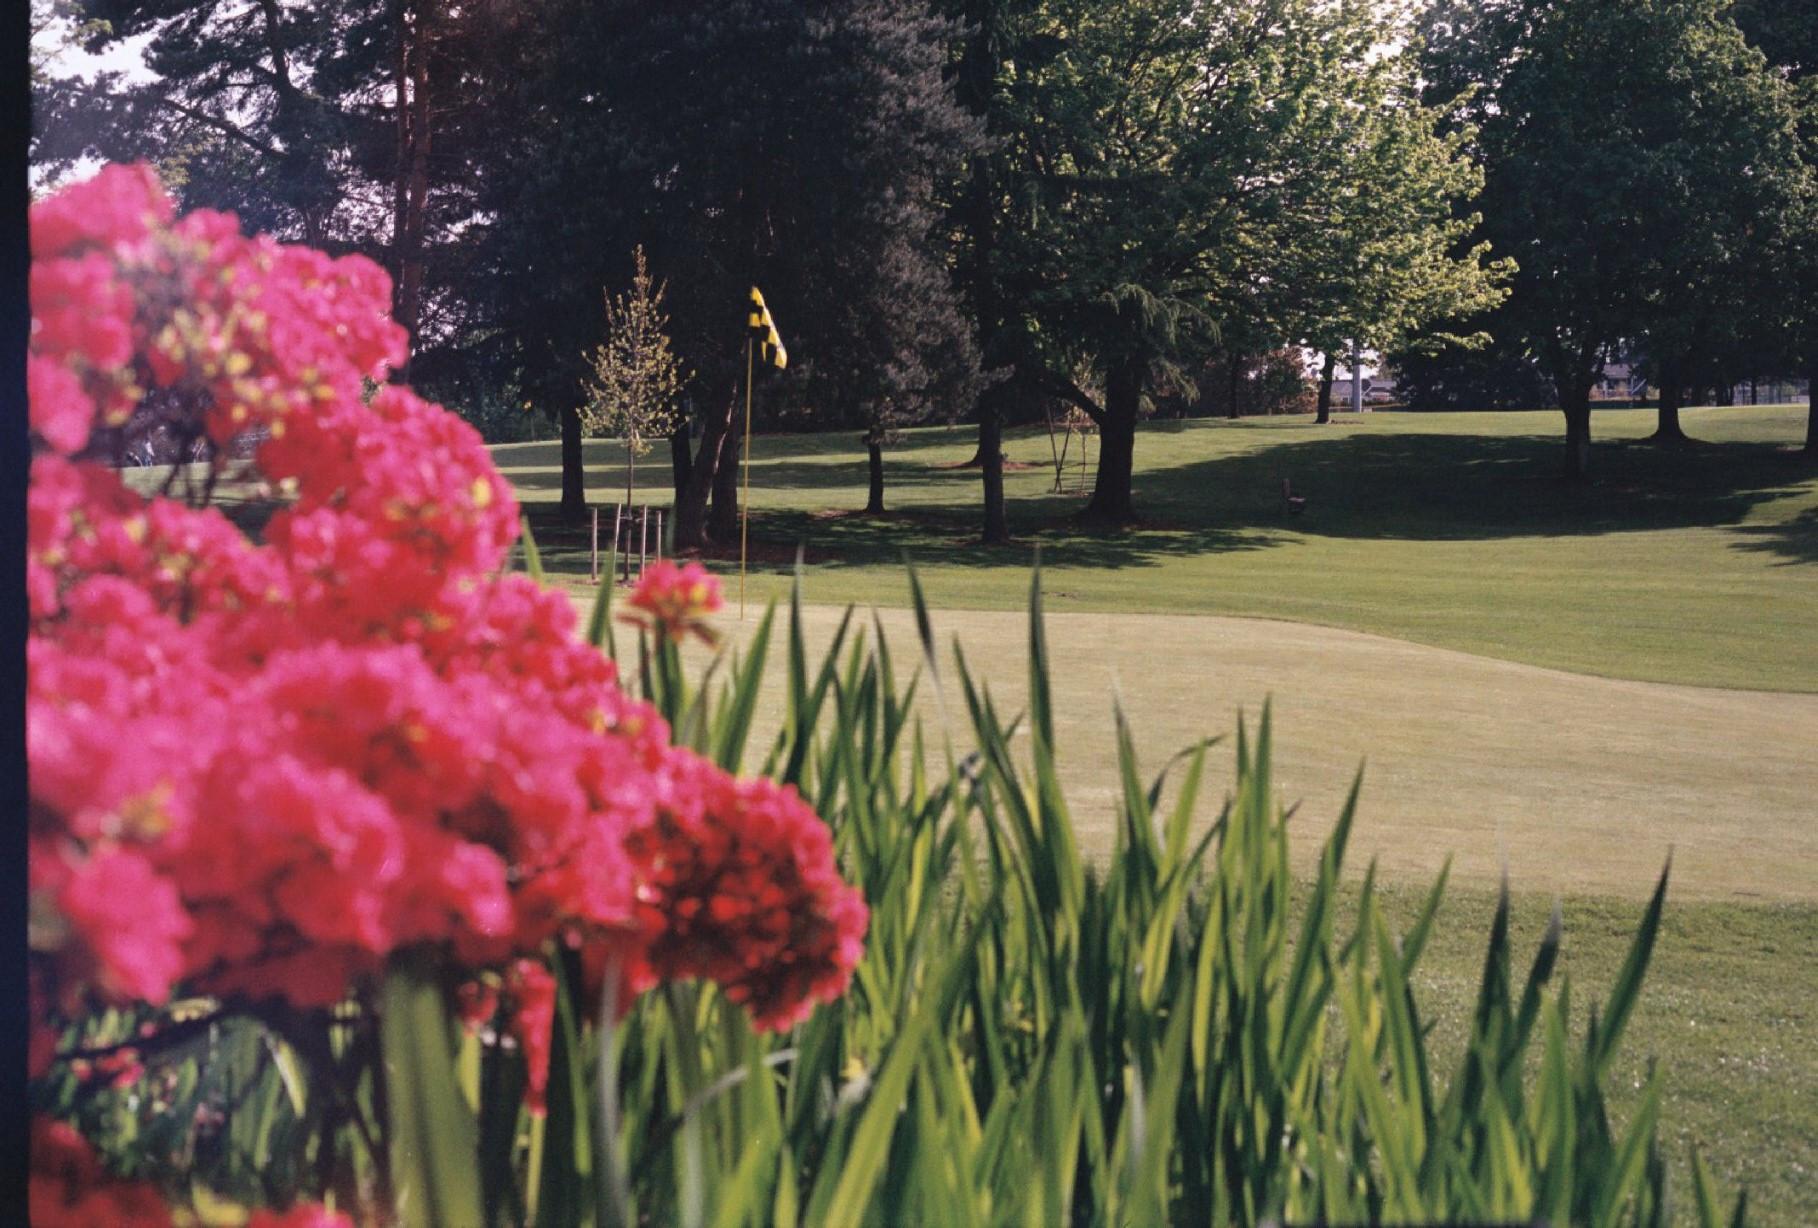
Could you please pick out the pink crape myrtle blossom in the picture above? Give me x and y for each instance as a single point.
(259, 768)
(675, 601)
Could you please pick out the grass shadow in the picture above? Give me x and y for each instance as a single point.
(1793, 541)
(1358, 484)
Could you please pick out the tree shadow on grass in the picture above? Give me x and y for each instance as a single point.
(1388, 487)
(1794, 541)
(1411, 487)
(833, 460)
(1475, 488)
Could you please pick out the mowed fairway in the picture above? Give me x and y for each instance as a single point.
(1696, 566)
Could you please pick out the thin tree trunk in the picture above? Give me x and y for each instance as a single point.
(723, 519)
(1234, 373)
(681, 460)
(631, 465)
(991, 469)
(1576, 404)
(1325, 389)
(400, 176)
(1811, 411)
(875, 504)
(975, 85)
(1111, 492)
(411, 194)
(1672, 393)
(574, 485)
(301, 156)
(691, 506)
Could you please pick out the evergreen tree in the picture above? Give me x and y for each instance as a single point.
(352, 125)
(794, 147)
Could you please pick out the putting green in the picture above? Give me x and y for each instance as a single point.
(1577, 784)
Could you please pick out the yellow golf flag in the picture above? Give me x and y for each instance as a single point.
(769, 341)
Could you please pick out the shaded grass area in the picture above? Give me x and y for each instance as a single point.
(1729, 1011)
(1689, 565)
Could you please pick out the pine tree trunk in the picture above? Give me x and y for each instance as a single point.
(1111, 493)
(723, 519)
(991, 452)
(1325, 390)
(1672, 392)
(681, 460)
(574, 475)
(875, 504)
(1234, 373)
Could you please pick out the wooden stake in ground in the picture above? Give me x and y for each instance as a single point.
(593, 551)
(745, 503)
(618, 512)
(643, 538)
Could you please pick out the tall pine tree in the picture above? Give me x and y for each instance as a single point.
(759, 142)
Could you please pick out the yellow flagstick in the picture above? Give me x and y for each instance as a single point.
(745, 503)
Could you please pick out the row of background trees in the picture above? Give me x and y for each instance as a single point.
(972, 208)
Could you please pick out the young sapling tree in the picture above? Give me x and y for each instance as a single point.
(634, 381)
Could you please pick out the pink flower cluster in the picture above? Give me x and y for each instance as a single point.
(675, 602)
(260, 768)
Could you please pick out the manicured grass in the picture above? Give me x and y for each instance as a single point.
(1729, 1011)
(1730, 1007)
(1691, 565)
(1573, 784)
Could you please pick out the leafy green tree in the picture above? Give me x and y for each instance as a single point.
(634, 382)
(1627, 148)
(1803, 254)
(1722, 168)
(1498, 374)
(1171, 170)
(1397, 256)
(1787, 34)
(977, 213)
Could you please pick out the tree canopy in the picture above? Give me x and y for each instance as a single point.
(1637, 158)
(988, 207)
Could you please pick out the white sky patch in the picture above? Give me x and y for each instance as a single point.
(55, 52)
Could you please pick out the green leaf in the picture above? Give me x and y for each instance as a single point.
(1627, 989)
(533, 559)
(599, 619)
(434, 1136)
